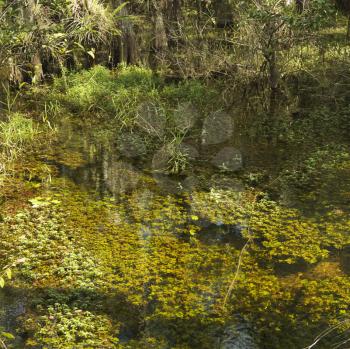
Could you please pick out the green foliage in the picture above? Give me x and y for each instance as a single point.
(85, 91)
(98, 90)
(313, 177)
(56, 30)
(120, 94)
(137, 259)
(64, 327)
(285, 235)
(134, 76)
(18, 131)
(195, 91)
(320, 14)
(16, 135)
(8, 273)
(89, 23)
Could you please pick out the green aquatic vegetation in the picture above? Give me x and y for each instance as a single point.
(335, 225)
(97, 266)
(323, 163)
(312, 179)
(138, 263)
(286, 235)
(325, 300)
(67, 328)
(283, 234)
(146, 250)
(226, 206)
(40, 236)
(157, 209)
(69, 157)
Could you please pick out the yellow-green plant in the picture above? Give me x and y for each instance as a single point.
(16, 133)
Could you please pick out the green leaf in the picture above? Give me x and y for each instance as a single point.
(7, 335)
(2, 282)
(119, 8)
(8, 273)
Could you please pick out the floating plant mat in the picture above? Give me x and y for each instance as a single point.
(137, 272)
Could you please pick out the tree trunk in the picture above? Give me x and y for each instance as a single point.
(159, 44)
(160, 36)
(36, 63)
(174, 18)
(124, 48)
(274, 74)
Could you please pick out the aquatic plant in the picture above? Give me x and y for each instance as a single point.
(63, 327)
(145, 259)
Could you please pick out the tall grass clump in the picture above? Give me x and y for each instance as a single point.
(16, 134)
(84, 91)
(134, 100)
(103, 92)
(119, 94)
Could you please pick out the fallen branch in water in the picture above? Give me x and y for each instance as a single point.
(327, 332)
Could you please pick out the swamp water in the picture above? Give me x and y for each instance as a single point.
(121, 254)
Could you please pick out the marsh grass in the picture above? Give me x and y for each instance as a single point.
(17, 133)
